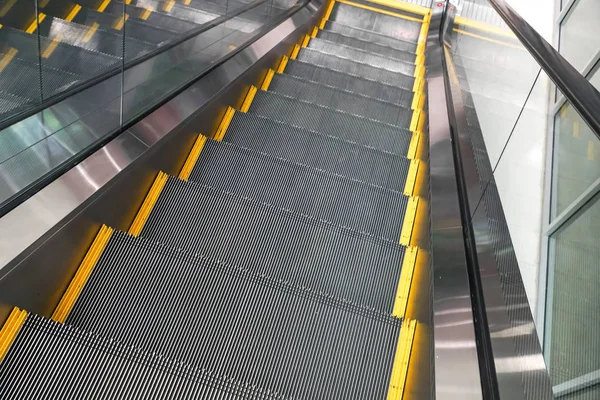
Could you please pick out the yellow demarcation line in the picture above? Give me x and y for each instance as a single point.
(401, 5)
(406, 275)
(192, 158)
(413, 171)
(7, 58)
(151, 198)
(327, 14)
(81, 276)
(10, 330)
(146, 13)
(482, 26)
(314, 32)
(282, 64)
(103, 6)
(268, 78)
(500, 42)
(402, 360)
(73, 13)
(52, 46)
(409, 221)
(34, 24)
(379, 10)
(414, 144)
(306, 40)
(169, 5)
(224, 124)
(248, 100)
(120, 22)
(90, 32)
(295, 52)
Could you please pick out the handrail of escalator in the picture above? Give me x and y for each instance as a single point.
(14, 201)
(575, 87)
(129, 64)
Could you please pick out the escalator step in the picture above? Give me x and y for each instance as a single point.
(367, 46)
(321, 151)
(337, 99)
(301, 189)
(49, 360)
(370, 36)
(400, 94)
(277, 243)
(331, 122)
(377, 22)
(352, 67)
(248, 327)
(361, 56)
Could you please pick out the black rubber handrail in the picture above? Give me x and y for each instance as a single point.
(81, 86)
(575, 87)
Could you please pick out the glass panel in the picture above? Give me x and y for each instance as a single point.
(576, 163)
(573, 322)
(19, 58)
(579, 41)
(594, 77)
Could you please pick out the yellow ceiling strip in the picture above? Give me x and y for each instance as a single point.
(379, 10)
(401, 5)
(484, 27)
(488, 39)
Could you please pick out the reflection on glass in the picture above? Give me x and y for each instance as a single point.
(579, 41)
(573, 323)
(576, 162)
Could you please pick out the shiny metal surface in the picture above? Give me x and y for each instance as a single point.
(456, 363)
(110, 185)
(576, 89)
(517, 356)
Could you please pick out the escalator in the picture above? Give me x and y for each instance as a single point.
(284, 259)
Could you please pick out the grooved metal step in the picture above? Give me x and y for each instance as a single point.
(370, 36)
(348, 66)
(49, 360)
(337, 99)
(361, 56)
(302, 189)
(377, 22)
(277, 243)
(321, 151)
(332, 122)
(367, 46)
(400, 94)
(248, 327)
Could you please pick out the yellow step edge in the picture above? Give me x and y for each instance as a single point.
(248, 100)
(420, 60)
(168, 6)
(422, 119)
(187, 168)
(295, 52)
(404, 284)
(6, 8)
(409, 221)
(52, 45)
(268, 78)
(416, 100)
(74, 11)
(7, 58)
(103, 6)
(481, 26)
(411, 178)
(379, 10)
(144, 212)
(187, 2)
(414, 145)
(224, 125)
(401, 5)
(327, 14)
(10, 330)
(415, 120)
(282, 64)
(81, 276)
(314, 32)
(90, 32)
(417, 69)
(421, 105)
(146, 13)
(402, 360)
(34, 24)
(305, 41)
(120, 22)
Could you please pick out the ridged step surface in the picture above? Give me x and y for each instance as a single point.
(256, 330)
(349, 66)
(370, 36)
(367, 46)
(337, 99)
(333, 122)
(361, 56)
(49, 360)
(318, 150)
(398, 93)
(278, 243)
(302, 189)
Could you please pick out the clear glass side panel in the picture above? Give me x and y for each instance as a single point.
(573, 308)
(579, 41)
(19, 59)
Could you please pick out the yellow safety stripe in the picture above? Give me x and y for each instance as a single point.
(34, 24)
(314, 32)
(379, 10)
(414, 121)
(148, 204)
(401, 5)
(416, 100)
(481, 26)
(268, 78)
(7, 58)
(411, 178)
(414, 144)
(402, 360)
(406, 275)
(306, 40)
(90, 32)
(409, 221)
(103, 6)
(282, 65)
(224, 124)
(248, 100)
(10, 330)
(6, 8)
(192, 158)
(146, 13)
(81, 276)
(73, 13)
(52, 46)
(120, 22)
(327, 14)
(462, 32)
(169, 5)
(295, 52)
